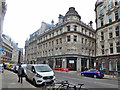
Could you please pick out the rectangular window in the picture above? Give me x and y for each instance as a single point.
(82, 40)
(75, 38)
(110, 18)
(102, 36)
(52, 43)
(118, 47)
(75, 28)
(56, 32)
(86, 51)
(82, 30)
(56, 41)
(117, 30)
(116, 15)
(68, 38)
(109, 4)
(103, 65)
(56, 51)
(101, 21)
(85, 31)
(111, 47)
(49, 35)
(101, 9)
(92, 52)
(61, 40)
(60, 51)
(46, 37)
(110, 33)
(49, 43)
(102, 49)
(53, 34)
(112, 66)
(61, 31)
(52, 52)
(85, 41)
(116, 3)
(82, 51)
(68, 28)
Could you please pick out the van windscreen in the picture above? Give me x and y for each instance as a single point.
(43, 68)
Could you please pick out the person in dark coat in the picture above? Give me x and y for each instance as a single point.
(20, 73)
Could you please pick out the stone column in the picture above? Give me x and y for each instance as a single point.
(79, 64)
(87, 63)
(54, 62)
(64, 63)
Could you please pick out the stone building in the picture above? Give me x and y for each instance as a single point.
(8, 49)
(68, 44)
(2, 14)
(107, 34)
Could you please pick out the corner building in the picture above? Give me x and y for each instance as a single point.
(68, 44)
(107, 35)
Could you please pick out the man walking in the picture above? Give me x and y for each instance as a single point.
(20, 73)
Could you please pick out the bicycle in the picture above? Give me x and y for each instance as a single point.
(65, 85)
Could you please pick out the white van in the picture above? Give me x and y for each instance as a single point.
(39, 73)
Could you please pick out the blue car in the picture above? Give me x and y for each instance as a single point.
(93, 73)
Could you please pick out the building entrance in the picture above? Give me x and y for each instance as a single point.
(83, 63)
(71, 63)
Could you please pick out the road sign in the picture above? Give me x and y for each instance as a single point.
(1, 48)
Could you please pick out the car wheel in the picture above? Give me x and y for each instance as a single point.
(94, 76)
(34, 82)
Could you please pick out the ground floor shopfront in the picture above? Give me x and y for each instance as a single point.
(108, 64)
(73, 62)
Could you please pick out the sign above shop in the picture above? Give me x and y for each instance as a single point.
(71, 61)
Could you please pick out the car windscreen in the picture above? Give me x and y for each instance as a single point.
(43, 68)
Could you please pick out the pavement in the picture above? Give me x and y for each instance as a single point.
(111, 77)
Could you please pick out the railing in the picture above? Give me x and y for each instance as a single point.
(60, 69)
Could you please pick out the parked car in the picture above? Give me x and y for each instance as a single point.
(93, 73)
(1, 68)
(12, 67)
(39, 74)
(8, 66)
(16, 69)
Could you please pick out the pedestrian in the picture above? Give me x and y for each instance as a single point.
(20, 73)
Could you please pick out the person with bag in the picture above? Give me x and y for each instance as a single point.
(20, 73)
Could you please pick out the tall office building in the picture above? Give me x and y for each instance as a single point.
(107, 34)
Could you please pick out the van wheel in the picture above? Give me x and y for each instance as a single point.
(34, 82)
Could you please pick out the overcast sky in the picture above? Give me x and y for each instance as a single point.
(23, 17)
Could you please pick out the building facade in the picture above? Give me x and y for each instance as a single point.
(11, 50)
(8, 48)
(2, 14)
(107, 34)
(68, 44)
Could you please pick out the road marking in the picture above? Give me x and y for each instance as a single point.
(116, 86)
